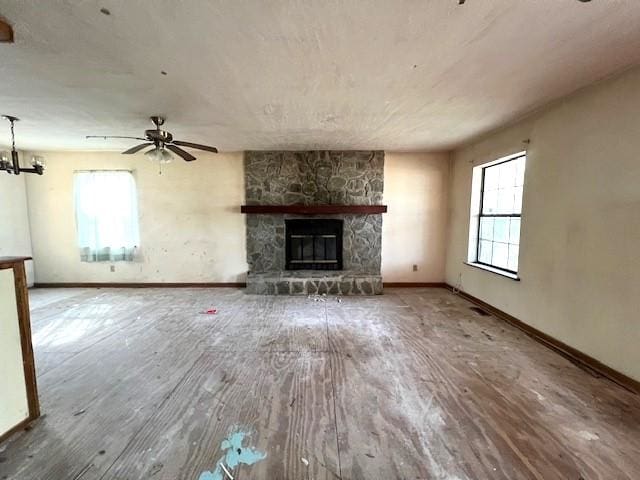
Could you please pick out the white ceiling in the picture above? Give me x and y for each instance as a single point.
(304, 74)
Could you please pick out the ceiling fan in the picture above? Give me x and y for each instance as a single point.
(161, 141)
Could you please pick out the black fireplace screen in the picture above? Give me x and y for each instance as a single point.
(314, 244)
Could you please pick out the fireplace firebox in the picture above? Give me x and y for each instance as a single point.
(313, 244)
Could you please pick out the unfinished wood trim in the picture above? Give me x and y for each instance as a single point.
(558, 346)
(414, 285)
(6, 31)
(140, 285)
(24, 325)
(22, 301)
(314, 209)
(9, 262)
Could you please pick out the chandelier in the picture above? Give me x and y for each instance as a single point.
(10, 163)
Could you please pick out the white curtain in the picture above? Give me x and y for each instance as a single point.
(106, 215)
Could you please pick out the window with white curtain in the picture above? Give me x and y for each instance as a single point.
(106, 215)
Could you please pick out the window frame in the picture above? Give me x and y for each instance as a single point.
(488, 266)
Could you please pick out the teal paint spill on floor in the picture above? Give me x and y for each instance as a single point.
(235, 455)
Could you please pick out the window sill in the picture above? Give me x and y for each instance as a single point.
(512, 276)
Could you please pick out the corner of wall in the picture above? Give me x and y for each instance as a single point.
(15, 238)
(451, 158)
(30, 265)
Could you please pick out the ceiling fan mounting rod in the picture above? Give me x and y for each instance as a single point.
(157, 121)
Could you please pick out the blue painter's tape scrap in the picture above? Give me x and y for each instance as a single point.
(235, 454)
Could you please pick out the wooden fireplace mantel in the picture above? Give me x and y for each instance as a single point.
(314, 209)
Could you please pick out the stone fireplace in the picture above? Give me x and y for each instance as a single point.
(310, 229)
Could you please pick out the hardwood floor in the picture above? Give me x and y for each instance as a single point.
(139, 384)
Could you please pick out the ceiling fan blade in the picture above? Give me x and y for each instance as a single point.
(178, 151)
(115, 136)
(195, 145)
(137, 148)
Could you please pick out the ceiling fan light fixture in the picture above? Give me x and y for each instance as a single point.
(159, 154)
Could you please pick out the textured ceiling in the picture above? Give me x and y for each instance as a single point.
(305, 74)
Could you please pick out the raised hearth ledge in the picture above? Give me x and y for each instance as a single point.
(314, 209)
(314, 282)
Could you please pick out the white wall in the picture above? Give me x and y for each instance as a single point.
(414, 229)
(191, 229)
(580, 239)
(15, 238)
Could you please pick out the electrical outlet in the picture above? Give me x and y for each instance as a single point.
(415, 268)
(112, 268)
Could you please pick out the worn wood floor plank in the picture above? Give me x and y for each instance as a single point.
(283, 400)
(139, 384)
(100, 397)
(487, 414)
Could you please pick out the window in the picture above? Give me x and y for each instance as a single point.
(106, 215)
(497, 218)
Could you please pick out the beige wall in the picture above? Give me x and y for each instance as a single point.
(15, 238)
(190, 226)
(580, 239)
(414, 229)
(191, 229)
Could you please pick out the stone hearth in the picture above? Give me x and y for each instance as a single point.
(304, 282)
(314, 178)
